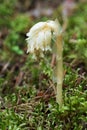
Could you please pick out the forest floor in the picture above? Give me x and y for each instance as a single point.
(27, 99)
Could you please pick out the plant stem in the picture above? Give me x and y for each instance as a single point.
(59, 70)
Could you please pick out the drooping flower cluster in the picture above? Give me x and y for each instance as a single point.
(39, 40)
(40, 35)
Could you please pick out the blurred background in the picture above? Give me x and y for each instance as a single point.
(18, 16)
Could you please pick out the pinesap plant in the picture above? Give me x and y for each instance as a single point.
(39, 41)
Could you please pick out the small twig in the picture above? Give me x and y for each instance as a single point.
(53, 86)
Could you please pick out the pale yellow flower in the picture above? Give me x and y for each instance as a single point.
(40, 35)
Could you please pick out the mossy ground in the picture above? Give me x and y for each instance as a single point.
(27, 99)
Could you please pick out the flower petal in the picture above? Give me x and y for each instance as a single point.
(40, 40)
(47, 37)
